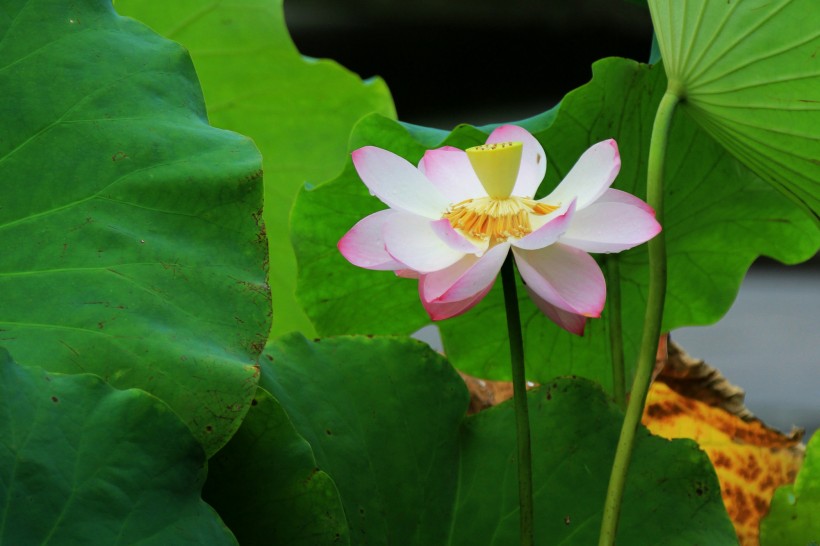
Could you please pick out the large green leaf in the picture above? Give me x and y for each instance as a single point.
(792, 517)
(386, 420)
(83, 463)
(299, 111)
(266, 486)
(749, 74)
(719, 218)
(132, 246)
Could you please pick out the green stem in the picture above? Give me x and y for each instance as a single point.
(522, 418)
(616, 343)
(652, 322)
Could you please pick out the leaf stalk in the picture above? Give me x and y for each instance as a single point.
(652, 321)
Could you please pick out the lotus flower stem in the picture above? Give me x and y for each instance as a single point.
(522, 419)
(652, 321)
(616, 343)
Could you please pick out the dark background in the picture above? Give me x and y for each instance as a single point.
(474, 61)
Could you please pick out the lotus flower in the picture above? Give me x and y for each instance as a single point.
(452, 221)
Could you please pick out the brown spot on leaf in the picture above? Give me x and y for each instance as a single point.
(258, 346)
(722, 461)
(663, 410)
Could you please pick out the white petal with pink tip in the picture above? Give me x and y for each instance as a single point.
(411, 240)
(589, 178)
(568, 321)
(451, 173)
(550, 232)
(363, 245)
(455, 240)
(441, 311)
(466, 278)
(565, 277)
(398, 183)
(616, 222)
(617, 196)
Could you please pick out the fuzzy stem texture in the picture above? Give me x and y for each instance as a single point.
(522, 418)
(652, 321)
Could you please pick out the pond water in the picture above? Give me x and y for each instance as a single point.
(769, 344)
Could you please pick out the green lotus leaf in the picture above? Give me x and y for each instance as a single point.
(386, 419)
(267, 487)
(719, 218)
(792, 517)
(84, 463)
(748, 73)
(131, 234)
(298, 110)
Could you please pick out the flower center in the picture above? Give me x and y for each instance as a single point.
(496, 218)
(496, 166)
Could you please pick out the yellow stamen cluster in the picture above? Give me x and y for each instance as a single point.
(496, 219)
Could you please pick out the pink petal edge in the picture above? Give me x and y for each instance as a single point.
(455, 240)
(363, 244)
(550, 232)
(398, 183)
(591, 175)
(571, 322)
(564, 276)
(612, 225)
(464, 279)
(411, 240)
(617, 196)
(440, 311)
(450, 171)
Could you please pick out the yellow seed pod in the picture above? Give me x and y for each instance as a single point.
(496, 166)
